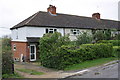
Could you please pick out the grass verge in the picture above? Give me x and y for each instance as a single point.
(15, 75)
(88, 64)
(31, 72)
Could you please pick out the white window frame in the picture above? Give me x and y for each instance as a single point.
(77, 31)
(51, 30)
(34, 52)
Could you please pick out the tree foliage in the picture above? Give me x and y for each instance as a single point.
(49, 49)
(83, 38)
(102, 35)
(7, 59)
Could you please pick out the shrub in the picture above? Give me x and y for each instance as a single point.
(7, 60)
(102, 35)
(116, 51)
(83, 38)
(74, 54)
(57, 52)
(114, 42)
(49, 49)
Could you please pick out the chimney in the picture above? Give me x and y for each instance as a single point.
(96, 15)
(51, 9)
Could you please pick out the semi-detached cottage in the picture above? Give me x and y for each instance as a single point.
(26, 34)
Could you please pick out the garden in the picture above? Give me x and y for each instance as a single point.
(58, 52)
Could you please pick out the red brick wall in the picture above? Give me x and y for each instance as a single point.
(21, 48)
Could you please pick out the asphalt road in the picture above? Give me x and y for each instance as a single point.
(110, 71)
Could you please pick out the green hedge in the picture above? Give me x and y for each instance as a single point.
(116, 51)
(114, 42)
(73, 55)
(56, 53)
(50, 51)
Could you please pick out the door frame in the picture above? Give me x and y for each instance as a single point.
(34, 52)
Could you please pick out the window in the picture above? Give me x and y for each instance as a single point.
(14, 47)
(51, 30)
(75, 31)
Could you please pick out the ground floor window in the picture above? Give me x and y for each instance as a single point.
(14, 47)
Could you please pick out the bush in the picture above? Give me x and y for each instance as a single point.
(116, 51)
(83, 38)
(49, 49)
(56, 53)
(102, 35)
(7, 60)
(114, 42)
(73, 55)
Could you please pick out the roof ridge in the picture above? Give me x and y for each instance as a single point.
(32, 17)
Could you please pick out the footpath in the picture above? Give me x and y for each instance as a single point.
(50, 73)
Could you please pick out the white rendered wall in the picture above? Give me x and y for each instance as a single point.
(24, 32)
(19, 34)
(72, 36)
(39, 31)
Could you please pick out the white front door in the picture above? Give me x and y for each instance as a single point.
(32, 52)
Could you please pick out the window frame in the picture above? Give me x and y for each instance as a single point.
(14, 47)
(75, 31)
(51, 30)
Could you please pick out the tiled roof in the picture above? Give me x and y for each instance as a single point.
(45, 19)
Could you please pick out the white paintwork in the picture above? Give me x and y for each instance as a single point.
(39, 31)
(33, 53)
(17, 40)
(24, 32)
(19, 34)
(72, 36)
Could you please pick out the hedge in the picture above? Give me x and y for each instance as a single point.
(85, 52)
(116, 51)
(114, 42)
(55, 53)
(49, 49)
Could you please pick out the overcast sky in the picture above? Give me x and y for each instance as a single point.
(14, 11)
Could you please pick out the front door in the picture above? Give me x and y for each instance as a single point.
(32, 52)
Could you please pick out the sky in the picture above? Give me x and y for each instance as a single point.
(14, 11)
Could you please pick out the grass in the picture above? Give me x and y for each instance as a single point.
(15, 75)
(88, 64)
(31, 72)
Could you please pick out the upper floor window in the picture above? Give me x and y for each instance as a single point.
(51, 30)
(75, 31)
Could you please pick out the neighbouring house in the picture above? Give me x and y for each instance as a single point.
(26, 34)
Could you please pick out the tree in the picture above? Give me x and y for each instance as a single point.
(102, 35)
(84, 38)
(49, 49)
(7, 59)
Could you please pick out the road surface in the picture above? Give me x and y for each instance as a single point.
(110, 71)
